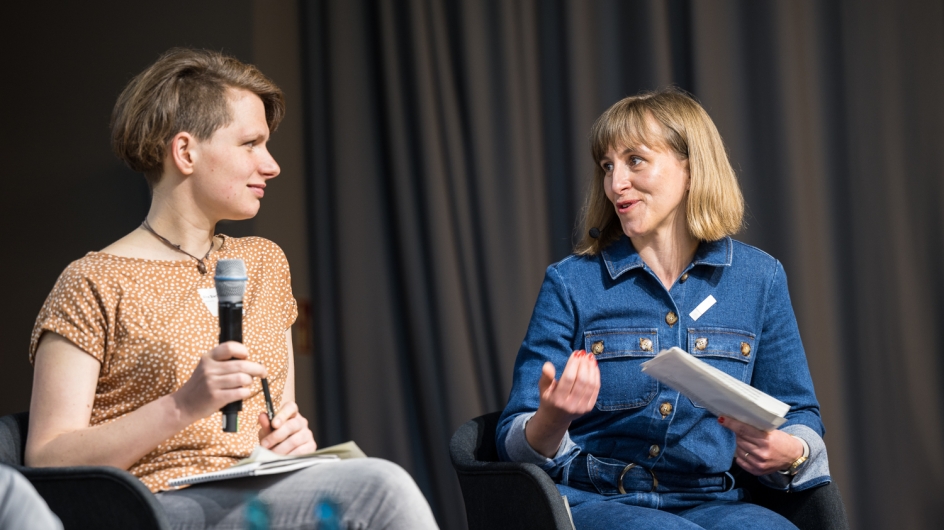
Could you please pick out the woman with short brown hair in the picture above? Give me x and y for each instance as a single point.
(128, 372)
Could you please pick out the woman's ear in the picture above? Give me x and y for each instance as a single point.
(182, 152)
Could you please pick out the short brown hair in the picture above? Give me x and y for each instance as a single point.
(715, 206)
(185, 90)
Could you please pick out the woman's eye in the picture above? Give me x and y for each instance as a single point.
(634, 160)
(607, 167)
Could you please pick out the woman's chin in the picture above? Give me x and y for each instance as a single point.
(248, 211)
(634, 231)
(240, 216)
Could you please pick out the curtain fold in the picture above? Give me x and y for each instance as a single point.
(448, 159)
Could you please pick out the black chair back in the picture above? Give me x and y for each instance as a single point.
(13, 430)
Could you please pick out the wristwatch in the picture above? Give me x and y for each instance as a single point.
(795, 466)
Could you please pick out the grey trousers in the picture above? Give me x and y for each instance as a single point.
(20, 506)
(369, 492)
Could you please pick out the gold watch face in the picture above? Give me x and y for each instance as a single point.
(795, 466)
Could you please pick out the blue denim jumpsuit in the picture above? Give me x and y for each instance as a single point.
(613, 305)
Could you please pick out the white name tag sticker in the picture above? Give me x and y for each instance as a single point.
(208, 296)
(702, 307)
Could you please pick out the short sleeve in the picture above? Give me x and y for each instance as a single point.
(289, 305)
(280, 275)
(77, 309)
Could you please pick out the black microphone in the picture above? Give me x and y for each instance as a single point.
(595, 233)
(230, 282)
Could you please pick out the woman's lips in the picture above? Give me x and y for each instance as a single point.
(623, 206)
(259, 191)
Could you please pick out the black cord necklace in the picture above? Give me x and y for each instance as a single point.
(201, 265)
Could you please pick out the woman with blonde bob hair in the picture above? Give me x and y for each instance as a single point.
(715, 206)
(658, 269)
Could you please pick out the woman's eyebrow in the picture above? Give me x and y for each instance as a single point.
(251, 135)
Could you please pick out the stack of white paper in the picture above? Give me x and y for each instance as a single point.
(715, 390)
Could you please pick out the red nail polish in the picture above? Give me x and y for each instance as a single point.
(721, 420)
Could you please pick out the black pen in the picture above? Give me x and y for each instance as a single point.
(270, 411)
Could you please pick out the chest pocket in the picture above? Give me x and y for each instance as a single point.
(619, 354)
(728, 350)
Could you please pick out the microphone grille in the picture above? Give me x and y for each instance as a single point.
(595, 233)
(230, 279)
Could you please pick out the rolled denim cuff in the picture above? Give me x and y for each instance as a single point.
(814, 472)
(519, 450)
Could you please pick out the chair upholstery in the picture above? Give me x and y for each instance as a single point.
(99, 497)
(818, 508)
(507, 495)
(513, 495)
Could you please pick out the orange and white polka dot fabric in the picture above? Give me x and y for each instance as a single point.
(147, 324)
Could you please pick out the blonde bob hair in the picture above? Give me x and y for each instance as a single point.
(667, 119)
(183, 91)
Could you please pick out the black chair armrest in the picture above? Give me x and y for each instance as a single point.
(97, 497)
(817, 508)
(488, 486)
(83, 496)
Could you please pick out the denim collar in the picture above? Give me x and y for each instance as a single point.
(621, 256)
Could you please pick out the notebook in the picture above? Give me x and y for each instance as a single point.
(265, 462)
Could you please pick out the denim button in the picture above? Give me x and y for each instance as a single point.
(745, 349)
(597, 347)
(665, 409)
(701, 343)
(671, 318)
(654, 450)
(645, 344)
(683, 278)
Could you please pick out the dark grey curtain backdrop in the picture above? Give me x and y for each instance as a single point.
(448, 158)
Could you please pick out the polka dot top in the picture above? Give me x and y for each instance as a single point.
(147, 324)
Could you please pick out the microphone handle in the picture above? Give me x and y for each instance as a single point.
(231, 328)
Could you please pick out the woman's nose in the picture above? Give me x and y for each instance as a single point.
(620, 180)
(269, 167)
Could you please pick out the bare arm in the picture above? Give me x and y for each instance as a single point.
(64, 383)
(288, 393)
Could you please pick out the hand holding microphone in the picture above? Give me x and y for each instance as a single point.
(224, 376)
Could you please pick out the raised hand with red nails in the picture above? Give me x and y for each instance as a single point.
(562, 401)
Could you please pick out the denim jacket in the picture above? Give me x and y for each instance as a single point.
(614, 301)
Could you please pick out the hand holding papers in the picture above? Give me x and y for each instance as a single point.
(265, 462)
(715, 390)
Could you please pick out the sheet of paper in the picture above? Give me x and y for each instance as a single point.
(715, 390)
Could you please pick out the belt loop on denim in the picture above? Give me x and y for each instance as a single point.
(619, 484)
